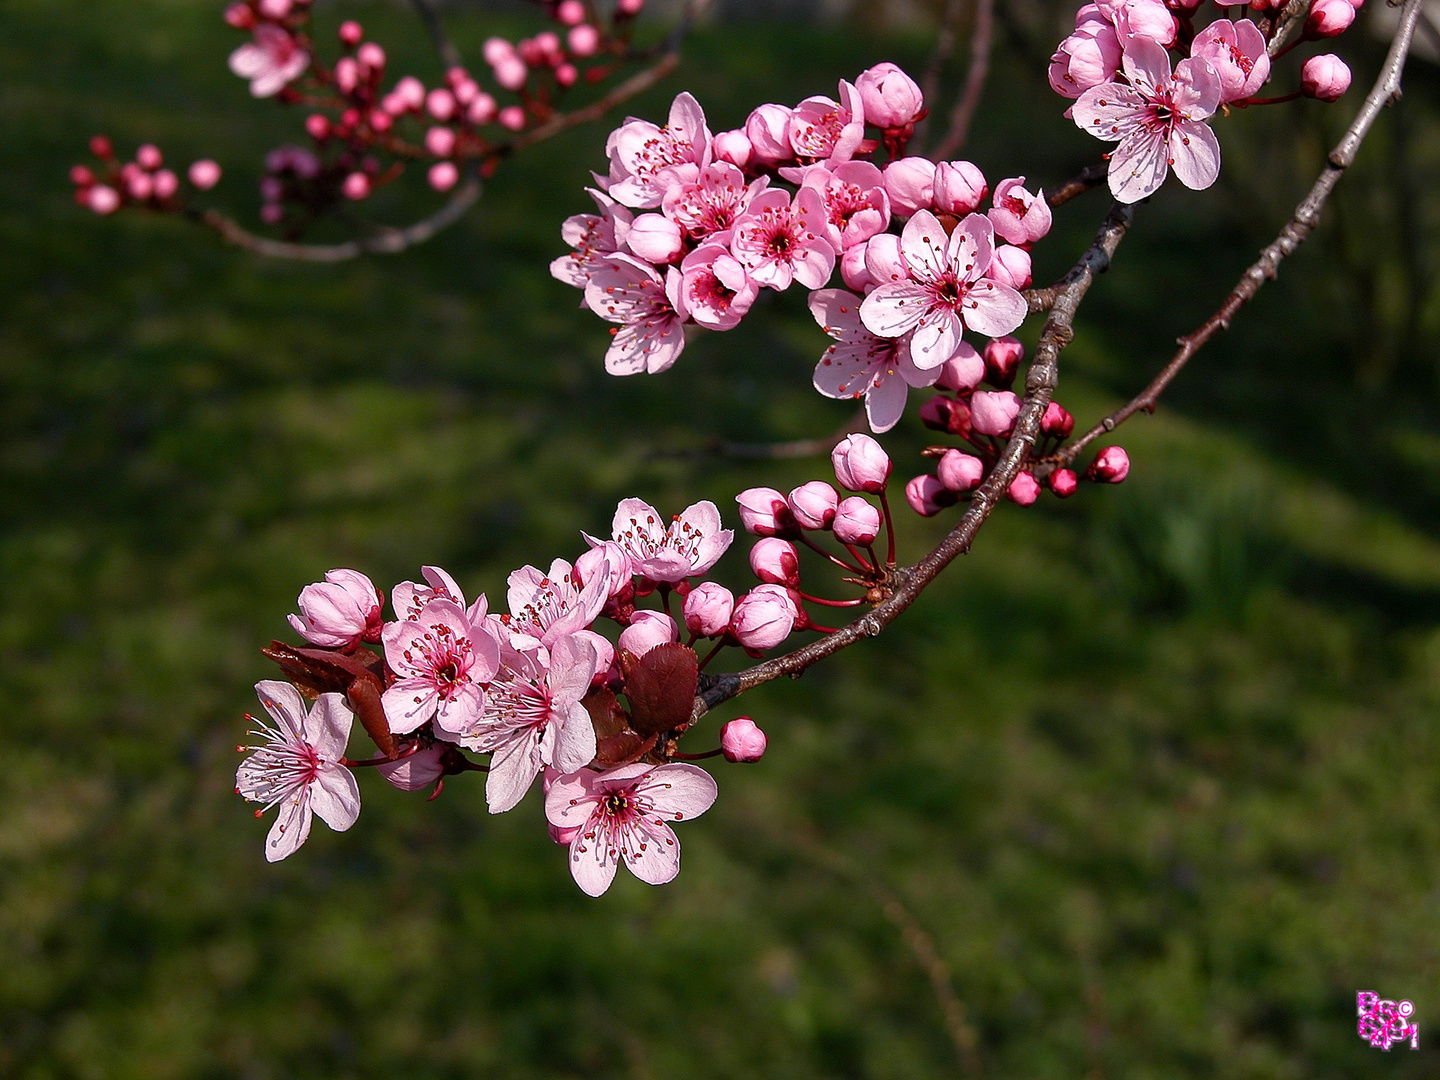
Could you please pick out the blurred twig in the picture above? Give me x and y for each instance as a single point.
(449, 55)
(961, 116)
(944, 46)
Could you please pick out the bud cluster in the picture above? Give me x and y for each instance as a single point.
(142, 182)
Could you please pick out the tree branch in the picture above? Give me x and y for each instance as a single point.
(1088, 177)
(909, 582)
(964, 112)
(449, 55)
(1307, 215)
(944, 46)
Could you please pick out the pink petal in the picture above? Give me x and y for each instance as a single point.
(993, 309)
(572, 666)
(936, 339)
(291, 827)
(335, 796)
(513, 768)
(1138, 167)
(814, 263)
(459, 713)
(885, 403)
(592, 861)
(1146, 64)
(327, 728)
(677, 791)
(408, 704)
(892, 310)
(575, 738)
(571, 799)
(653, 853)
(837, 312)
(1196, 154)
(923, 244)
(1108, 111)
(284, 704)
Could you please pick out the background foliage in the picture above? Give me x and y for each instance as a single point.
(1154, 767)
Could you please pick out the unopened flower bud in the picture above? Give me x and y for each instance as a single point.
(443, 175)
(166, 184)
(857, 522)
(891, 98)
(1057, 421)
(1328, 18)
(945, 414)
(959, 471)
(339, 612)
(883, 261)
(708, 608)
(994, 412)
(766, 129)
(275, 9)
(1010, 265)
(910, 183)
(567, 74)
(963, 371)
(656, 239)
(482, 109)
(1023, 490)
(813, 505)
(1002, 359)
(741, 740)
(1325, 77)
(149, 157)
(583, 40)
(860, 463)
(204, 174)
(927, 496)
(775, 561)
(548, 42)
(610, 558)
(411, 91)
(351, 33)
(512, 117)
(101, 148)
(440, 103)
(347, 74)
(960, 188)
(240, 16)
(497, 50)
(372, 56)
(764, 617)
(765, 512)
(732, 146)
(570, 13)
(1063, 483)
(646, 630)
(440, 141)
(1110, 466)
(511, 73)
(852, 268)
(416, 771)
(1019, 216)
(629, 7)
(356, 186)
(81, 176)
(140, 186)
(102, 199)
(317, 126)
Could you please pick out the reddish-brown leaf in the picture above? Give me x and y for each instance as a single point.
(660, 687)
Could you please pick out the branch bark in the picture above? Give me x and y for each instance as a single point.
(1307, 215)
(981, 38)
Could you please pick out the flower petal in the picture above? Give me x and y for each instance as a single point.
(513, 768)
(592, 860)
(291, 827)
(894, 309)
(335, 797)
(652, 852)
(327, 727)
(284, 704)
(1195, 154)
(676, 791)
(994, 309)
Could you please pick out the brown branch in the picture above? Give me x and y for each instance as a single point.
(909, 582)
(449, 55)
(1307, 215)
(1290, 17)
(1088, 177)
(766, 451)
(944, 46)
(981, 39)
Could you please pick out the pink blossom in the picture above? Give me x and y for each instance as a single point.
(959, 471)
(639, 150)
(1010, 265)
(994, 412)
(857, 522)
(607, 561)
(960, 188)
(1019, 216)
(648, 629)
(813, 504)
(764, 617)
(622, 814)
(298, 766)
(1325, 77)
(356, 186)
(409, 598)
(715, 290)
(709, 200)
(443, 175)
(655, 239)
(204, 174)
(1063, 483)
(545, 607)
(883, 261)
(1111, 466)
(1057, 421)
(1157, 120)
(339, 612)
(271, 61)
(351, 33)
(947, 290)
(1023, 490)
(533, 718)
(1328, 18)
(708, 608)
(441, 103)
(440, 141)
(627, 291)
(1147, 19)
(860, 464)
(853, 271)
(856, 204)
(765, 512)
(824, 130)
(1236, 53)
(594, 237)
(1088, 57)
(767, 129)
(778, 241)
(414, 771)
(741, 740)
(1002, 359)
(963, 371)
(890, 98)
(860, 363)
(927, 496)
(691, 544)
(775, 561)
(440, 658)
(731, 146)
(910, 183)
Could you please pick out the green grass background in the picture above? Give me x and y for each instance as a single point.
(1154, 768)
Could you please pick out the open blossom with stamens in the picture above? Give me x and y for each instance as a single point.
(632, 293)
(623, 815)
(440, 658)
(298, 767)
(824, 130)
(271, 61)
(710, 200)
(715, 290)
(409, 599)
(947, 290)
(639, 150)
(1158, 120)
(545, 607)
(779, 241)
(533, 718)
(861, 363)
(691, 544)
(856, 204)
(1236, 53)
(594, 237)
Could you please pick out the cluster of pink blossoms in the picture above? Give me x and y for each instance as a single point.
(692, 225)
(362, 132)
(1117, 66)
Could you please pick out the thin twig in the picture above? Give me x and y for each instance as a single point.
(944, 46)
(1307, 215)
(981, 39)
(765, 451)
(1088, 177)
(909, 582)
(1288, 19)
(636, 84)
(449, 55)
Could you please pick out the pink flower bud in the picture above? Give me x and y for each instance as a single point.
(764, 617)
(204, 174)
(101, 148)
(959, 471)
(891, 98)
(1325, 77)
(382, 120)
(766, 129)
(1063, 483)
(963, 371)
(813, 505)
(481, 109)
(732, 146)
(149, 157)
(607, 555)
(317, 126)
(272, 213)
(511, 73)
(857, 522)
(372, 56)
(512, 117)
(531, 52)
(942, 413)
(741, 740)
(339, 612)
(910, 183)
(1328, 18)
(443, 175)
(993, 413)
(646, 630)
(440, 103)
(656, 239)
(275, 9)
(960, 188)
(356, 186)
(860, 464)
(462, 86)
(1010, 265)
(570, 13)
(708, 608)
(1110, 466)
(140, 186)
(347, 74)
(240, 16)
(883, 261)
(629, 7)
(775, 561)
(583, 40)
(1057, 421)
(1148, 19)
(80, 176)
(166, 184)
(1023, 490)
(548, 42)
(567, 74)
(497, 50)
(852, 268)
(927, 496)
(102, 199)
(765, 512)
(351, 33)
(1019, 216)
(416, 771)
(440, 141)
(411, 91)
(1002, 359)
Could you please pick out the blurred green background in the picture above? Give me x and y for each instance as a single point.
(1154, 769)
